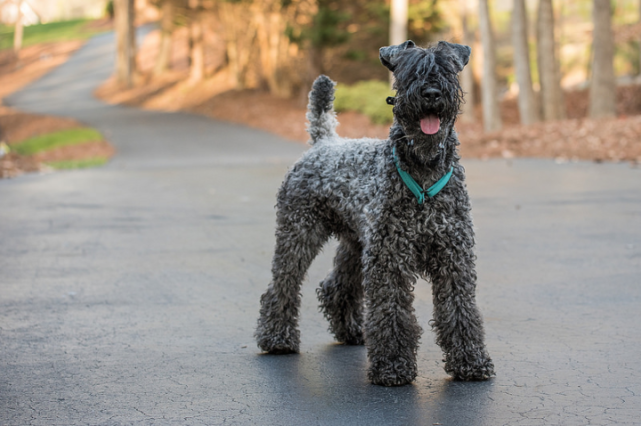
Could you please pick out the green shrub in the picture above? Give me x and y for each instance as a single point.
(56, 139)
(366, 97)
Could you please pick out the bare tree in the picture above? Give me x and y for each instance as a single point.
(467, 75)
(167, 16)
(552, 102)
(196, 42)
(602, 83)
(397, 25)
(125, 42)
(527, 102)
(491, 112)
(272, 19)
(17, 35)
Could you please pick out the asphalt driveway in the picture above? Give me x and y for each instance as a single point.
(129, 293)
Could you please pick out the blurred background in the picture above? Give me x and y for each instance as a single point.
(558, 79)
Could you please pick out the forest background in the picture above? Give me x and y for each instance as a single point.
(547, 78)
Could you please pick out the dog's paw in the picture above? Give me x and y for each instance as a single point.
(353, 340)
(280, 350)
(392, 373)
(350, 336)
(285, 342)
(276, 347)
(482, 369)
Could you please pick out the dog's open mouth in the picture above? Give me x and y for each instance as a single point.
(430, 124)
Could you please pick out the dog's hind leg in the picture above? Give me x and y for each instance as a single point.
(299, 238)
(341, 294)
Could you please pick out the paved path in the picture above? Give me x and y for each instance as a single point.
(129, 293)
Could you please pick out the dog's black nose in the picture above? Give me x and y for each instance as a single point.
(432, 94)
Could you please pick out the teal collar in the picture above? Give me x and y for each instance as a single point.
(417, 189)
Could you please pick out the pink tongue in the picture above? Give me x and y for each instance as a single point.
(430, 124)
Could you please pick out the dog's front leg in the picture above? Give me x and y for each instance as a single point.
(391, 330)
(457, 320)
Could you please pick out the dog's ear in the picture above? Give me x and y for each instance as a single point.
(460, 53)
(388, 54)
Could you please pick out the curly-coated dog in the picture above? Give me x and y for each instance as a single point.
(400, 210)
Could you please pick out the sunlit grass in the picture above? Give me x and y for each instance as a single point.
(78, 164)
(55, 140)
(54, 31)
(367, 97)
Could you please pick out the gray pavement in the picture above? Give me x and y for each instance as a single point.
(129, 293)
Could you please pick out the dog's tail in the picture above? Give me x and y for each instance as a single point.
(320, 110)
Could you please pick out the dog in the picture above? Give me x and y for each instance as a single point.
(400, 210)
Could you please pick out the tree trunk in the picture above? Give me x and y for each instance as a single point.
(491, 112)
(17, 35)
(166, 30)
(196, 43)
(125, 42)
(239, 32)
(640, 38)
(552, 102)
(603, 83)
(270, 28)
(467, 75)
(527, 102)
(398, 25)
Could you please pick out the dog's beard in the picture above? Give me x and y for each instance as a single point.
(427, 147)
(426, 127)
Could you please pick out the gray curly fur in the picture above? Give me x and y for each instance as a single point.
(320, 111)
(351, 189)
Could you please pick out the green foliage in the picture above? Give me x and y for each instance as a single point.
(375, 20)
(327, 28)
(78, 164)
(56, 139)
(53, 31)
(367, 97)
(356, 55)
(424, 19)
(109, 9)
(626, 58)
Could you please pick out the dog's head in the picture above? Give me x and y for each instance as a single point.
(429, 95)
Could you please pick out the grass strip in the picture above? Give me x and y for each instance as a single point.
(78, 164)
(56, 139)
(367, 97)
(75, 29)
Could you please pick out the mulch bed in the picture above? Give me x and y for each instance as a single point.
(17, 126)
(576, 138)
(15, 73)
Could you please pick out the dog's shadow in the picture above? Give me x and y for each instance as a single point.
(330, 383)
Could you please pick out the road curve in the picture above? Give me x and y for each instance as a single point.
(145, 138)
